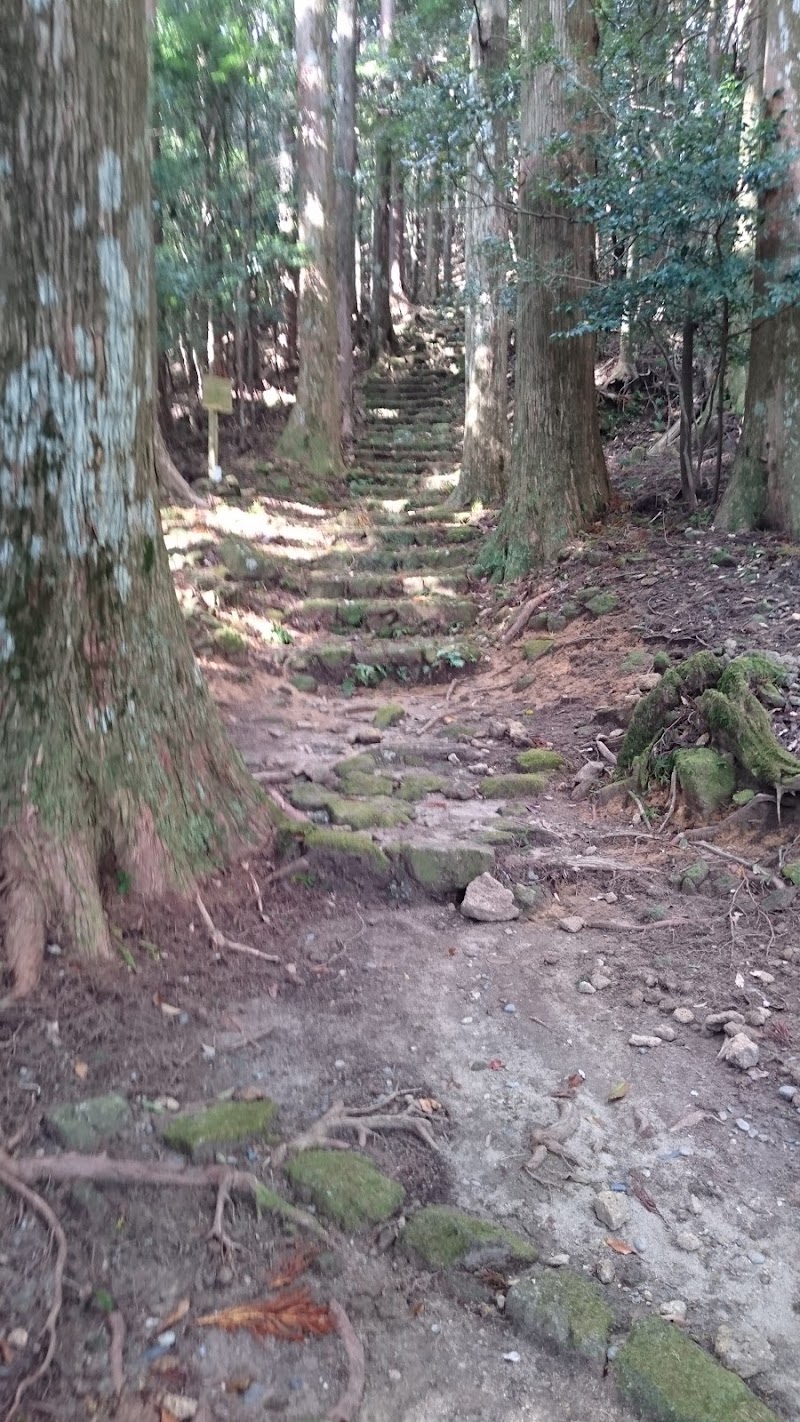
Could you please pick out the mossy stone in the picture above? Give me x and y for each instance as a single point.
(302, 682)
(565, 1310)
(662, 661)
(512, 787)
(442, 1237)
(345, 1187)
(389, 715)
(308, 795)
(375, 813)
(348, 848)
(85, 1125)
(694, 876)
(359, 783)
(570, 610)
(244, 559)
(416, 787)
(538, 758)
(523, 682)
(602, 604)
(743, 797)
(636, 661)
(706, 778)
(226, 1123)
(363, 764)
(536, 647)
(442, 869)
(230, 642)
(792, 873)
(668, 1378)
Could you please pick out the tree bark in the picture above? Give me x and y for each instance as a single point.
(433, 235)
(346, 55)
(558, 481)
(287, 226)
(484, 465)
(381, 329)
(397, 237)
(113, 756)
(764, 491)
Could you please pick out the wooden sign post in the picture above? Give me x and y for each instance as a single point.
(218, 400)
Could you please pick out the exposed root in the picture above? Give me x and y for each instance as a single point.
(170, 480)
(550, 1140)
(228, 1246)
(116, 1327)
(294, 866)
(363, 1121)
(222, 943)
(346, 1409)
(10, 1179)
(524, 615)
(673, 801)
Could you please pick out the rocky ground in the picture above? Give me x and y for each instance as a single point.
(564, 1187)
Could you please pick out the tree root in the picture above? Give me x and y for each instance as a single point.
(363, 1121)
(346, 1409)
(11, 1180)
(116, 1327)
(170, 480)
(228, 1246)
(550, 1140)
(221, 942)
(524, 615)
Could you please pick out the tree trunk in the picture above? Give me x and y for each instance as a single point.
(113, 756)
(687, 415)
(558, 479)
(346, 55)
(433, 236)
(381, 330)
(448, 237)
(397, 237)
(764, 491)
(312, 436)
(484, 465)
(287, 226)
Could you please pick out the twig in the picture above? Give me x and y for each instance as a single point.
(346, 1409)
(524, 615)
(606, 751)
(637, 802)
(573, 863)
(294, 866)
(116, 1327)
(221, 942)
(10, 1177)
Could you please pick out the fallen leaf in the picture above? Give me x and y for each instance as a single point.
(292, 1267)
(167, 1416)
(291, 1316)
(643, 1195)
(496, 1064)
(692, 1118)
(81, 1070)
(238, 1385)
(166, 1007)
(570, 1084)
(181, 1408)
(619, 1246)
(429, 1104)
(619, 1091)
(451, 952)
(273, 991)
(739, 980)
(176, 1316)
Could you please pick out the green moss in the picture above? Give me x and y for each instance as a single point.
(357, 783)
(375, 813)
(562, 1309)
(537, 647)
(389, 715)
(416, 787)
(301, 681)
(652, 712)
(347, 847)
(226, 1123)
(148, 555)
(662, 661)
(739, 723)
(690, 879)
(88, 1125)
(668, 1378)
(244, 560)
(602, 604)
(442, 1236)
(636, 661)
(792, 873)
(308, 795)
(706, 778)
(363, 764)
(345, 1187)
(512, 787)
(538, 758)
(230, 642)
(442, 869)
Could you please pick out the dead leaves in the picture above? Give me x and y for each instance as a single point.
(644, 1197)
(619, 1091)
(619, 1246)
(176, 1315)
(291, 1316)
(292, 1267)
(428, 1105)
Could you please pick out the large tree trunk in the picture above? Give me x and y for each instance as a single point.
(346, 54)
(113, 756)
(558, 479)
(287, 226)
(313, 434)
(764, 491)
(381, 330)
(484, 465)
(433, 235)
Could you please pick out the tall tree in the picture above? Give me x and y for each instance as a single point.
(764, 491)
(558, 480)
(484, 465)
(381, 329)
(113, 756)
(346, 56)
(313, 434)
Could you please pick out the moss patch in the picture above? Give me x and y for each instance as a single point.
(668, 1378)
(636, 661)
(347, 848)
(355, 765)
(302, 682)
(537, 647)
(706, 779)
(345, 1187)
(357, 783)
(375, 813)
(540, 759)
(87, 1125)
(198, 1133)
(562, 1309)
(389, 715)
(792, 873)
(416, 787)
(690, 879)
(442, 1237)
(602, 604)
(512, 787)
(441, 869)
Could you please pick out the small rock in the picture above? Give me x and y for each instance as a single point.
(742, 1350)
(511, 1357)
(167, 1339)
(571, 924)
(364, 736)
(640, 1039)
(739, 1052)
(557, 1261)
(635, 998)
(716, 1020)
(674, 1310)
(587, 988)
(688, 1242)
(605, 1271)
(486, 900)
(18, 1338)
(743, 1125)
(695, 1205)
(787, 1092)
(667, 1004)
(612, 1209)
(510, 1007)
(758, 1016)
(599, 981)
(756, 1257)
(394, 1376)
(666, 1033)
(684, 1015)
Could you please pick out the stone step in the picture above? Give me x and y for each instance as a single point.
(370, 559)
(385, 617)
(368, 662)
(403, 455)
(391, 583)
(392, 536)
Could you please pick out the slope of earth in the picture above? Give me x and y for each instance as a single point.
(385, 699)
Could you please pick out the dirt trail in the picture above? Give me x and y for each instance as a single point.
(315, 623)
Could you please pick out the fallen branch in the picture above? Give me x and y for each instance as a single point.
(572, 863)
(221, 942)
(11, 1179)
(618, 925)
(116, 1327)
(524, 615)
(346, 1409)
